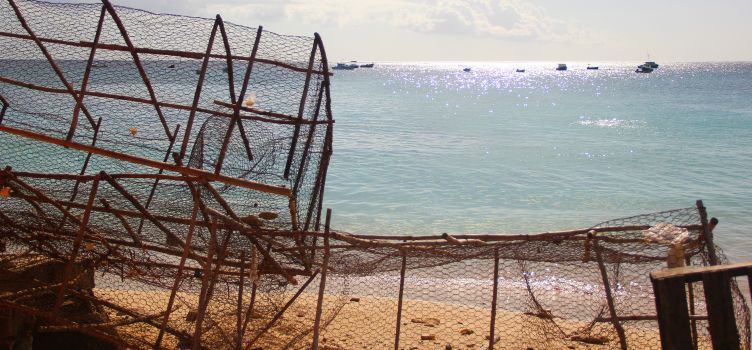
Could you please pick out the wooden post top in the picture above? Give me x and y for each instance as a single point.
(694, 273)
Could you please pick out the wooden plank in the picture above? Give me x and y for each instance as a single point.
(695, 273)
(723, 331)
(673, 314)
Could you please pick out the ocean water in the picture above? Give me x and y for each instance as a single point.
(425, 148)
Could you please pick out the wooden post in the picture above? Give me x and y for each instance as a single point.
(707, 233)
(673, 315)
(139, 66)
(322, 285)
(492, 332)
(239, 312)
(179, 275)
(691, 294)
(399, 302)
(609, 297)
(199, 88)
(282, 311)
(76, 247)
(5, 107)
(85, 81)
(301, 108)
(720, 305)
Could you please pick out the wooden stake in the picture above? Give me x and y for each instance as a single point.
(492, 333)
(609, 297)
(399, 301)
(322, 284)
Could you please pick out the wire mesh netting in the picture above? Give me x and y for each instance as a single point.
(162, 188)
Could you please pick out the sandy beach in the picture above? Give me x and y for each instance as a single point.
(353, 322)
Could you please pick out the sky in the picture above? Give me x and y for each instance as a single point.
(495, 30)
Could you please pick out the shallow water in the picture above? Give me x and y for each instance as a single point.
(427, 148)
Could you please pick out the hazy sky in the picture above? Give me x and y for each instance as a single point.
(496, 30)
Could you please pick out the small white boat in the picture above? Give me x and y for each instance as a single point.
(346, 66)
(643, 69)
(562, 66)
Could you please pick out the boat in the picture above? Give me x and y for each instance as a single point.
(562, 66)
(592, 67)
(643, 69)
(367, 65)
(651, 64)
(346, 66)
(466, 69)
(520, 71)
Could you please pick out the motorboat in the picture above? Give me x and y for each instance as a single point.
(346, 66)
(520, 71)
(592, 67)
(643, 69)
(562, 66)
(467, 69)
(651, 64)
(367, 65)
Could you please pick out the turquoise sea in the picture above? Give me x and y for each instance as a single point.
(424, 148)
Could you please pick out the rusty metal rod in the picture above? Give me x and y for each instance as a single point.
(208, 176)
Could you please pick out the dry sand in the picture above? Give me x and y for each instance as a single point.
(369, 323)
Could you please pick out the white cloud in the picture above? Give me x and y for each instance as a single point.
(485, 18)
(500, 18)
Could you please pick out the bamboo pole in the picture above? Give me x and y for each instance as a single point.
(609, 297)
(399, 301)
(322, 284)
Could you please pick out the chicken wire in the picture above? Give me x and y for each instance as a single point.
(225, 247)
